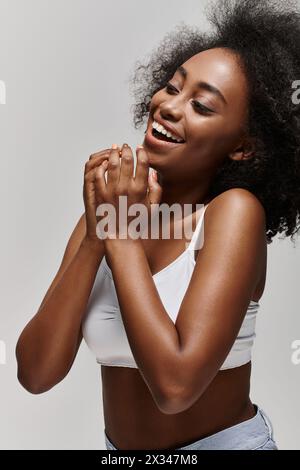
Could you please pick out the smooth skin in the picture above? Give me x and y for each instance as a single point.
(178, 394)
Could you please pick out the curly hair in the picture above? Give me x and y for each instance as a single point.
(265, 37)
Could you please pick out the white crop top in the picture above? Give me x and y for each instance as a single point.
(103, 328)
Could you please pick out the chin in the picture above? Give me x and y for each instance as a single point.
(155, 159)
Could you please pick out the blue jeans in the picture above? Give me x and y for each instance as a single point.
(253, 434)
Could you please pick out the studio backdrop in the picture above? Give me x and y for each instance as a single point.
(65, 69)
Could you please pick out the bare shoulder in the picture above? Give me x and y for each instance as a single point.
(238, 209)
(240, 204)
(235, 235)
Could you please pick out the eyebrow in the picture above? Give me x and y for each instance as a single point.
(203, 85)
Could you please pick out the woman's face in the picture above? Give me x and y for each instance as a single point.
(212, 129)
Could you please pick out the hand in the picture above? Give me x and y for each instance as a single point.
(140, 188)
(89, 195)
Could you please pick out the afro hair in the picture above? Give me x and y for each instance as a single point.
(265, 36)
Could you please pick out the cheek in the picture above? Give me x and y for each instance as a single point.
(156, 99)
(214, 135)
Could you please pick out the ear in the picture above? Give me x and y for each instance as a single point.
(244, 151)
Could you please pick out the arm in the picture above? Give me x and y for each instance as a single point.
(48, 344)
(179, 361)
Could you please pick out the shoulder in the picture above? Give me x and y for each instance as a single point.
(234, 226)
(236, 208)
(234, 237)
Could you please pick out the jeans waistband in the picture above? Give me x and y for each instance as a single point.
(249, 434)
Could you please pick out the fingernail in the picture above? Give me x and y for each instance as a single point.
(139, 147)
(125, 145)
(114, 146)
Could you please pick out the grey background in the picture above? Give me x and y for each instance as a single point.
(66, 64)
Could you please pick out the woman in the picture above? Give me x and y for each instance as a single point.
(173, 327)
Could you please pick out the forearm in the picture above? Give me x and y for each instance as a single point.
(151, 333)
(49, 342)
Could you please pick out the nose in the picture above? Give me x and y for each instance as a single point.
(170, 110)
(172, 107)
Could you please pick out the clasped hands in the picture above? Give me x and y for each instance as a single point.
(141, 188)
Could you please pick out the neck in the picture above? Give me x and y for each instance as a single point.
(193, 193)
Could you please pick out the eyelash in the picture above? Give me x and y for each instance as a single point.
(199, 106)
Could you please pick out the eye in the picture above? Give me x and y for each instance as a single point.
(202, 108)
(199, 106)
(170, 87)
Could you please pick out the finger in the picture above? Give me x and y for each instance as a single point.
(89, 187)
(142, 167)
(89, 177)
(95, 161)
(155, 189)
(113, 169)
(127, 167)
(100, 183)
(96, 154)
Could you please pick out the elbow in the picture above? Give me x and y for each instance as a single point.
(181, 394)
(172, 407)
(31, 378)
(175, 401)
(31, 385)
(34, 376)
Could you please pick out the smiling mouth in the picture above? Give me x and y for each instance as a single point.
(163, 137)
(158, 142)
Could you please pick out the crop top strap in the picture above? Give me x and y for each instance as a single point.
(198, 235)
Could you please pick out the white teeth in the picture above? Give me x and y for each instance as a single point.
(163, 131)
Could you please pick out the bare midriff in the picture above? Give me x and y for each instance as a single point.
(133, 420)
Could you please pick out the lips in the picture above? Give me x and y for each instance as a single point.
(156, 144)
(169, 128)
